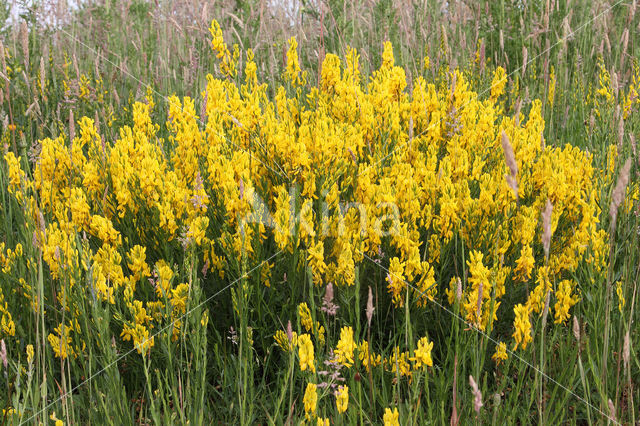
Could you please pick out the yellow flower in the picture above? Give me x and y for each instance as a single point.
(310, 400)
(565, 300)
(315, 257)
(179, 298)
(398, 362)
(283, 341)
(293, 67)
(422, 354)
(522, 324)
(342, 398)
(140, 336)
(391, 417)
(7, 324)
(197, 230)
(30, 353)
(57, 421)
(16, 174)
(103, 228)
(165, 276)
(305, 316)
(61, 342)
(345, 348)
(305, 352)
(368, 359)
(525, 263)
(501, 353)
(323, 421)
(80, 214)
(498, 83)
(552, 86)
(620, 293)
(396, 282)
(137, 262)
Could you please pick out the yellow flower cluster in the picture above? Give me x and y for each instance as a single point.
(345, 172)
(7, 326)
(304, 313)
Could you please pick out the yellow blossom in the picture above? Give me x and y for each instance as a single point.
(522, 324)
(305, 352)
(391, 417)
(137, 262)
(283, 341)
(500, 353)
(620, 293)
(305, 316)
(565, 300)
(342, 398)
(30, 353)
(422, 354)
(498, 83)
(310, 400)
(345, 348)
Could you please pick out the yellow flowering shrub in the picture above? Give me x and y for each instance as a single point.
(343, 180)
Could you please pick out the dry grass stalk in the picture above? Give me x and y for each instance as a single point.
(4, 65)
(328, 307)
(96, 64)
(96, 122)
(545, 312)
(620, 132)
(72, 129)
(510, 160)
(618, 192)
(517, 112)
(525, 54)
(546, 227)
(612, 411)
(625, 42)
(24, 42)
(42, 75)
(477, 395)
(482, 56)
(3, 354)
(370, 307)
(203, 108)
(289, 332)
(576, 329)
(626, 351)
(75, 66)
(454, 410)
(479, 305)
(607, 43)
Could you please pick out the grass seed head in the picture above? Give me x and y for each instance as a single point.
(546, 227)
(370, 307)
(612, 411)
(626, 352)
(510, 160)
(477, 395)
(3, 354)
(24, 42)
(618, 192)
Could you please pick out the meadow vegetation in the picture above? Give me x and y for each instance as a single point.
(336, 213)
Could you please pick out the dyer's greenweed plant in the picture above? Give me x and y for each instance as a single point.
(427, 196)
